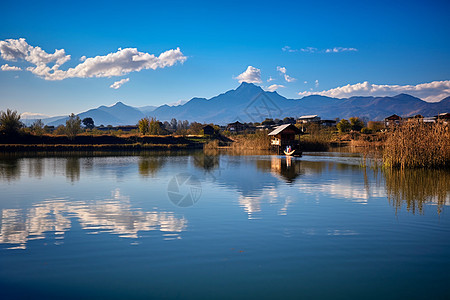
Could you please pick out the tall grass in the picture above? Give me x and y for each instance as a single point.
(257, 141)
(418, 145)
(319, 141)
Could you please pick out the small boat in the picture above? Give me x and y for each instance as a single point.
(293, 153)
(289, 153)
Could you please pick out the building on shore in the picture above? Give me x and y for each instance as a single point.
(208, 130)
(328, 123)
(284, 136)
(308, 119)
(393, 120)
(235, 127)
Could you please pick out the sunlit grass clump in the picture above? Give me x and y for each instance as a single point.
(418, 145)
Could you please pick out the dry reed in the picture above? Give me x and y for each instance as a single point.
(418, 145)
(257, 141)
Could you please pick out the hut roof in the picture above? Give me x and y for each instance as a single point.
(235, 123)
(308, 117)
(281, 128)
(393, 117)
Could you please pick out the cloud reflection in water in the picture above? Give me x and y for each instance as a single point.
(114, 215)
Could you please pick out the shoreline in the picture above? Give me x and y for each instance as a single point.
(11, 148)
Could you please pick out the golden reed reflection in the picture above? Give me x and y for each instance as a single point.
(114, 215)
(149, 166)
(417, 187)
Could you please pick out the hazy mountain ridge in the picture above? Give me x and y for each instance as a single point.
(251, 103)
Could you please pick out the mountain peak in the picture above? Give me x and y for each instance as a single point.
(119, 103)
(404, 96)
(246, 85)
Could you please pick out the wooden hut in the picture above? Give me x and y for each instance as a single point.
(208, 130)
(392, 120)
(236, 127)
(283, 136)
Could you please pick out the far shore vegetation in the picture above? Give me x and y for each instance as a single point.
(410, 144)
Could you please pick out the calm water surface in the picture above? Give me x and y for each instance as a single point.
(221, 226)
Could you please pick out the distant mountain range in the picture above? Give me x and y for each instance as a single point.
(250, 103)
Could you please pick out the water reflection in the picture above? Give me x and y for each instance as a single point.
(149, 166)
(114, 215)
(417, 187)
(208, 163)
(287, 167)
(73, 169)
(9, 169)
(255, 178)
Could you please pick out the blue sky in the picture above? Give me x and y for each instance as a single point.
(331, 44)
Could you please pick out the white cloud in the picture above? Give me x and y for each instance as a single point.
(251, 75)
(119, 83)
(281, 69)
(315, 50)
(274, 87)
(7, 67)
(13, 50)
(83, 58)
(288, 78)
(316, 83)
(270, 79)
(309, 50)
(289, 49)
(431, 92)
(30, 115)
(340, 49)
(305, 82)
(117, 63)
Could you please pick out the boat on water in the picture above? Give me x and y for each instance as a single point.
(293, 153)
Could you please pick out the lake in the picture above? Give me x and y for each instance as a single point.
(221, 226)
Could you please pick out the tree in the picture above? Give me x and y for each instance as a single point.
(10, 122)
(375, 126)
(88, 123)
(195, 128)
(268, 121)
(356, 124)
(73, 126)
(366, 130)
(155, 127)
(143, 125)
(38, 127)
(289, 120)
(151, 126)
(60, 130)
(344, 125)
(182, 127)
(173, 124)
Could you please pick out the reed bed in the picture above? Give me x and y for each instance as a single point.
(315, 142)
(211, 145)
(418, 145)
(257, 141)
